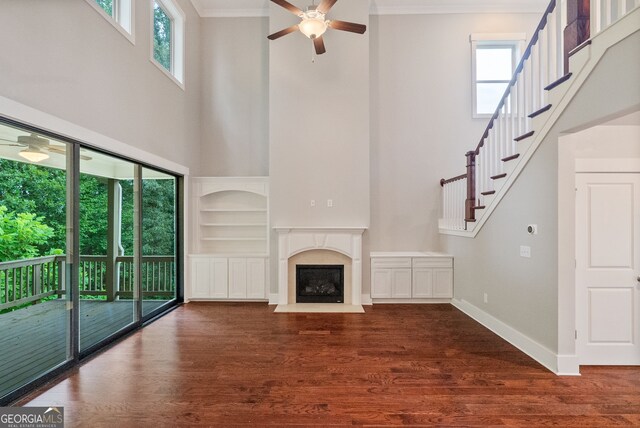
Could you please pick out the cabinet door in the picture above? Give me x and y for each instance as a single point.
(443, 283)
(422, 283)
(238, 278)
(200, 278)
(218, 288)
(381, 283)
(255, 278)
(401, 283)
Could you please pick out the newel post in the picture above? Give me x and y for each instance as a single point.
(469, 212)
(577, 30)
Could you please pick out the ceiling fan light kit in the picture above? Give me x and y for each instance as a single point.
(33, 154)
(314, 23)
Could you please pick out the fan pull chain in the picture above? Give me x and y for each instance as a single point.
(313, 54)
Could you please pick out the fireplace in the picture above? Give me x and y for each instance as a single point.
(319, 283)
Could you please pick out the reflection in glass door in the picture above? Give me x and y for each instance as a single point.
(106, 273)
(35, 321)
(158, 270)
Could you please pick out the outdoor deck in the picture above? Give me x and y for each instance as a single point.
(34, 339)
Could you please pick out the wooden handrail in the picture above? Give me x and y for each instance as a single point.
(518, 70)
(452, 179)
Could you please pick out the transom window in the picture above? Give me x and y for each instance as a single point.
(167, 50)
(494, 59)
(118, 12)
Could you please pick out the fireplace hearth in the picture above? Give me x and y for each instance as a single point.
(319, 283)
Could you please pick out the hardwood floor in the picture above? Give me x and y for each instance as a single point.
(229, 365)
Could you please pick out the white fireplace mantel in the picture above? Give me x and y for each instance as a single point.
(295, 240)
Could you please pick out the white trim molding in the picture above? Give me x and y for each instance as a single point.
(535, 350)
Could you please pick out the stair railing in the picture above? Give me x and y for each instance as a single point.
(541, 64)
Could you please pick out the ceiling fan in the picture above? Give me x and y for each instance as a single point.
(314, 23)
(36, 147)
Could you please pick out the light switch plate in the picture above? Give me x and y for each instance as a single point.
(525, 251)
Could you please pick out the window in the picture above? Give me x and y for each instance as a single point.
(493, 61)
(118, 12)
(167, 50)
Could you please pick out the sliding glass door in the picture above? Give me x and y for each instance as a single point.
(35, 322)
(158, 273)
(107, 279)
(88, 251)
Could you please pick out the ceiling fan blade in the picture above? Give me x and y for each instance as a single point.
(13, 143)
(326, 5)
(348, 26)
(291, 8)
(283, 32)
(318, 43)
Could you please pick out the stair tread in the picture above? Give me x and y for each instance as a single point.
(512, 157)
(523, 136)
(487, 193)
(495, 177)
(558, 82)
(540, 111)
(479, 207)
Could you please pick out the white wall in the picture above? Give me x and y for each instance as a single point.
(63, 58)
(235, 102)
(536, 296)
(319, 123)
(421, 124)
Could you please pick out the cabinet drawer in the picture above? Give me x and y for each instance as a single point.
(432, 262)
(391, 262)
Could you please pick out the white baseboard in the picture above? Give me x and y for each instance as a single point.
(538, 352)
(568, 365)
(410, 301)
(273, 298)
(365, 299)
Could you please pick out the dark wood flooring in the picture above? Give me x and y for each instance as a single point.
(229, 365)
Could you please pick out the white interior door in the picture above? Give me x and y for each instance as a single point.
(607, 268)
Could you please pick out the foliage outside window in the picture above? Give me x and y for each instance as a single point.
(118, 13)
(106, 5)
(162, 42)
(168, 27)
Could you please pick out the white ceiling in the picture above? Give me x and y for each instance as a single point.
(247, 8)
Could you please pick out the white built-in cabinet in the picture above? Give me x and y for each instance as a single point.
(230, 238)
(411, 275)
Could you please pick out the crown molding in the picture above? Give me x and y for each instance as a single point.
(260, 8)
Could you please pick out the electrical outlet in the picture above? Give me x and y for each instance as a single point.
(486, 298)
(313, 203)
(525, 251)
(330, 203)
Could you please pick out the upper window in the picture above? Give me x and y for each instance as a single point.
(167, 51)
(118, 12)
(493, 59)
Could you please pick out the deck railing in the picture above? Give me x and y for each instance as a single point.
(30, 280)
(544, 64)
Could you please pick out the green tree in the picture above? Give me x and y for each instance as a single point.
(21, 234)
(106, 5)
(161, 36)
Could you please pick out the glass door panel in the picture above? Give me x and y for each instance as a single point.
(35, 321)
(106, 272)
(158, 239)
